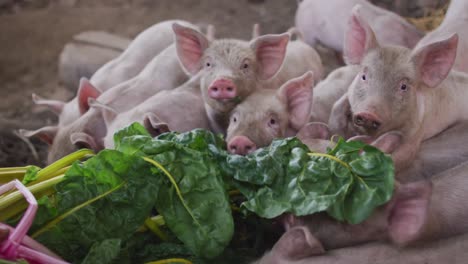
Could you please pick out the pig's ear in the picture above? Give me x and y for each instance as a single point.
(435, 60)
(190, 45)
(255, 31)
(409, 211)
(84, 140)
(359, 38)
(154, 125)
(270, 51)
(296, 244)
(108, 113)
(297, 93)
(86, 91)
(54, 105)
(46, 134)
(316, 130)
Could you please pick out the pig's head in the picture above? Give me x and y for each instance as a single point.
(387, 92)
(402, 220)
(85, 90)
(268, 114)
(230, 68)
(83, 132)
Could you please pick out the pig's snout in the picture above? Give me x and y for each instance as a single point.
(241, 145)
(367, 120)
(222, 89)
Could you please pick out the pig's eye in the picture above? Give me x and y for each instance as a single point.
(404, 87)
(272, 121)
(234, 120)
(363, 77)
(208, 64)
(245, 66)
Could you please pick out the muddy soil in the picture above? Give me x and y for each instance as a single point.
(33, 33)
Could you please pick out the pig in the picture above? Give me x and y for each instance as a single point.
(139, 53)
(250, 129)
(233, 69)
(297, 246)
(162, 73)
(455, 21)
(163, 112)
(417, 212)
(412, 93)
(328, 91)
(268, 114)
(325, 22)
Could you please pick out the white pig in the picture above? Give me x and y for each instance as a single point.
(138, 54)
(328, 91)
(233, 69)
(181, 109)
(268, 114)
(162, 73)
(455, 21)
(325, 22)
(418, 211)
(413, 93)
(297, 246)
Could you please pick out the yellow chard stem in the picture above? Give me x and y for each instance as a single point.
(154, 227)
(15, 196)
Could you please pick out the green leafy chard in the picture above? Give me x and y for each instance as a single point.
(191, 195)
(348, 182)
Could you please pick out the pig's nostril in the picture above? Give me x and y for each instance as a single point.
(248, 148)
(230, 89)
(233, 148)
(375, 124)
(359, 120)
(215, 89)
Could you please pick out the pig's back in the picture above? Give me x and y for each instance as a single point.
(328, 91)
(325, 21)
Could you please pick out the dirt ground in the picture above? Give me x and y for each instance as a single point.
(33, 33)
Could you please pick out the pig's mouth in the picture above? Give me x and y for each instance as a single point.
(235, 100)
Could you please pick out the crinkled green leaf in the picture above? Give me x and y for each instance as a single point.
(116, 215)
(288, 179)
(103, 252)
(200, 215)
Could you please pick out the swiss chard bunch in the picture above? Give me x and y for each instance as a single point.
(93, 211)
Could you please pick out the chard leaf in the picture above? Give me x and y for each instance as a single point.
(31, 174)
(348, 182)
(103, 252)
(117, 215)
(191, 197)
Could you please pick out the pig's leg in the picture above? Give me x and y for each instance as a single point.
(405, 154)
(451, 250)
(338, 121)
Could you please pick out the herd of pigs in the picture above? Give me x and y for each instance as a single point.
(401, 90)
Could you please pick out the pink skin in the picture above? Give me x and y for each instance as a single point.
(326, 21)
(227, 63)
(241, 145)
(222, 89)
(455, 21)
(129, 64)
(268, 114)
(411, 92)
(418, 212)
(450, 250)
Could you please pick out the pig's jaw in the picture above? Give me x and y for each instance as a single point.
(219, 121)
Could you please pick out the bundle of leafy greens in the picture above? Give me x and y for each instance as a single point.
(185, 188)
